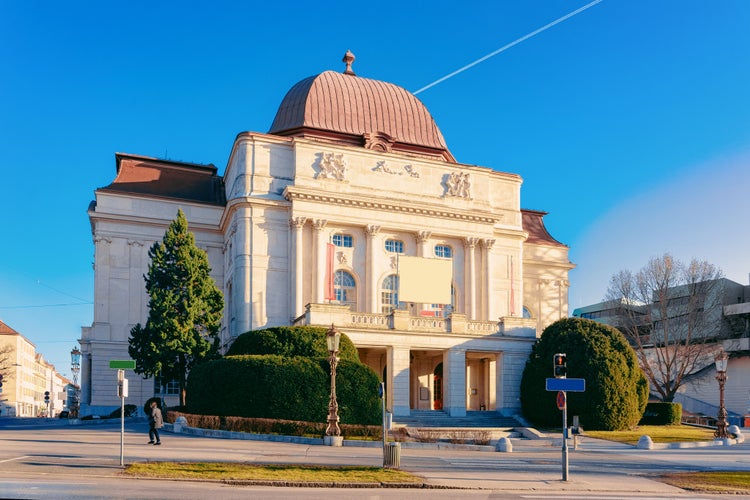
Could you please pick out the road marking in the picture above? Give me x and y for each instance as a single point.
(12, 459)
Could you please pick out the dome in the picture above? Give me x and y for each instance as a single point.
(347, 109)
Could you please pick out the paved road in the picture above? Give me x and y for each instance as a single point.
(59, 461)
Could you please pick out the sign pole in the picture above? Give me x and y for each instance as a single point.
(565, 438)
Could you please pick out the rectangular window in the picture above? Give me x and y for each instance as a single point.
(342, 240)
(394, 246)
(443, 251)
(170, 388)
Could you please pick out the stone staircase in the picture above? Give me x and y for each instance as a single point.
(441, 419)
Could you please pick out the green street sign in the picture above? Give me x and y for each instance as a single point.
(123, 364)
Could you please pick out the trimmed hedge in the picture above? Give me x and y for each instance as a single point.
(273, 426)
(291, 341)
(284, 388)
(616, 389)
(662, 414)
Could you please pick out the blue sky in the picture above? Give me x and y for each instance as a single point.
(629, 123)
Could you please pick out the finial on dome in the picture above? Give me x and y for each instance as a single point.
(348, 59)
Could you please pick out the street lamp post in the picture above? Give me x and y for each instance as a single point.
(75, 367)
(333, 432)
(721, 376)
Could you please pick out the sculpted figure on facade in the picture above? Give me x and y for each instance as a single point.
(458, 184)
(332, 166)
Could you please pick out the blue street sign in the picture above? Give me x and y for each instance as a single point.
(566, 384)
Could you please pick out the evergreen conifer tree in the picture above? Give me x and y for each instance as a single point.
(185, 309)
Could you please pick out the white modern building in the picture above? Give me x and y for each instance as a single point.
(359, 164)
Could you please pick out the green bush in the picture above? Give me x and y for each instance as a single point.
(271, 386)
(616, 389)
(291, 341)
(662, 414)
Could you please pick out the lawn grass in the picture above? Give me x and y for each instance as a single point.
(710, 482)
(657, 433)
(228, 471)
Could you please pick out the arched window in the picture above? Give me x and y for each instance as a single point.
(346, 289)
(389, 294)
(526, 312)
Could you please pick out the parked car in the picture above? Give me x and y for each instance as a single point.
(63, 414)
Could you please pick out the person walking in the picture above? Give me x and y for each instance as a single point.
(155, 422)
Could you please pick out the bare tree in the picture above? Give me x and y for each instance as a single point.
(671, 313)
(6, 360)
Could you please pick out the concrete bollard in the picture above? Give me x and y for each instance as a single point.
(504, 444)
(645, 443)
(179, 424)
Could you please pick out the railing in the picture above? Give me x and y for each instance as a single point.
(428, 324)
(702, 408)
(482, 327)
(370, 320)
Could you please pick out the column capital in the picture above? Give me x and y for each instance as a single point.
(471, 241)
(423, 236)
(319, 224)
(297, 222)
(371, 230)
(487, 243)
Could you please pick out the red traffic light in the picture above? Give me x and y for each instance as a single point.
(560, 365)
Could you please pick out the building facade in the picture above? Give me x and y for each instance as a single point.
(31, 387)
(358, 164)
(724, 312)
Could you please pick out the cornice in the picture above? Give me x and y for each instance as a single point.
(295, 193)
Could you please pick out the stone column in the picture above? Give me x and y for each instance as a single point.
(296, 277)
(423, 238)
(243, 282)
(319, 273)
(399, 378)
(487, 291)
(471, 277)
(371, 286)
(454, 382)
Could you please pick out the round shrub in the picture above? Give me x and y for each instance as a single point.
(616, 389)
(290, 341)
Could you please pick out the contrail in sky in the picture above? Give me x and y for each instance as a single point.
(511, 44)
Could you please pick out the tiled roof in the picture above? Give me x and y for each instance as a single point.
(533, 223)
(6, 330)
(341, 106)
(165, 178)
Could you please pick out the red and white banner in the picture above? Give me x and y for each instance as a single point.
(330, 292)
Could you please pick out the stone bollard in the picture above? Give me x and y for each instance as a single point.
(179, 424)
(645, 443)
(504, 444)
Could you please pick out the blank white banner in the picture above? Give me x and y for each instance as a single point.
(427, 281)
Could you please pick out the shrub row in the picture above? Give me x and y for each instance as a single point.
(273, 426)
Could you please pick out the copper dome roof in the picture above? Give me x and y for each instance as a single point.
(345, 108)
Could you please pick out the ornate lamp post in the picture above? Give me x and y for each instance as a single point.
(75, 367)
(721, 376)
(333, 432)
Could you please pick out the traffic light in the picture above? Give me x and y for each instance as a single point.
(46, 396)
(560, 362)
(1, 383)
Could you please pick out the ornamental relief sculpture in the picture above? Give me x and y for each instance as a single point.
(332, 166)
(383, 167)
(458, 185)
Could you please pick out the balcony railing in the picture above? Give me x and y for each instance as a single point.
(343, 317)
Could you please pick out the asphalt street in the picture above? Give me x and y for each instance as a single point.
(53, 460)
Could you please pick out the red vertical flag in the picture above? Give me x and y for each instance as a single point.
(512, 291)
(330, 292)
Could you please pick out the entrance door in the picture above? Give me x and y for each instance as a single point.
(437, 387)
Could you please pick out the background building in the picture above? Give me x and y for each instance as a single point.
(725, 321)
(26, 379)
(353, 175)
